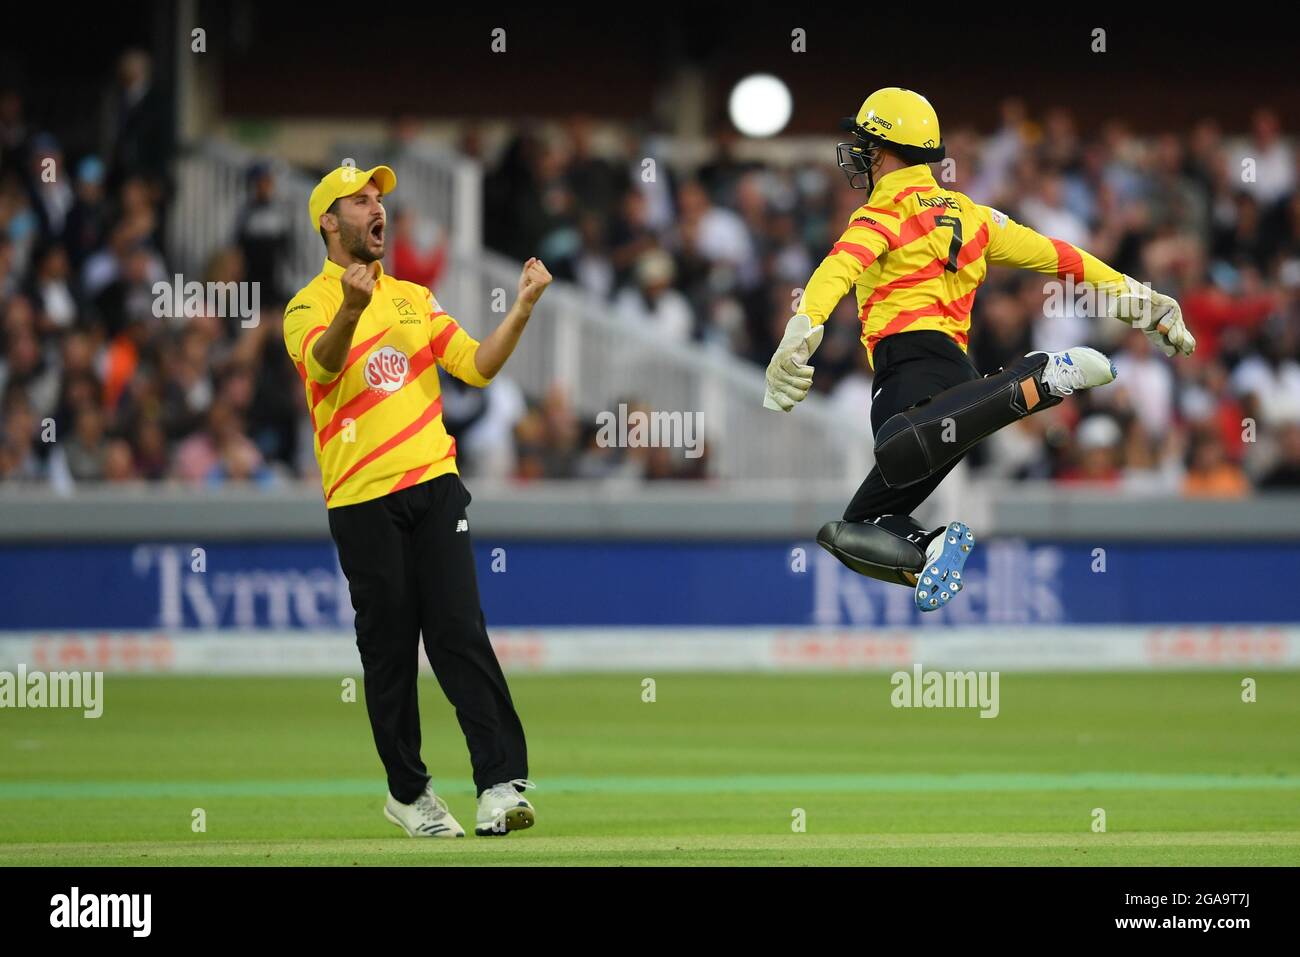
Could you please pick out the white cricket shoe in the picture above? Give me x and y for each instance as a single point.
(1077, 368)
(426, 817)
(501, 808)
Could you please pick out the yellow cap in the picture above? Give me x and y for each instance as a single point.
(345, 181)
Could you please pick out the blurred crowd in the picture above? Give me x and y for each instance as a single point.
(100, 381)
(96, 386)
(717, 255)
(96, 382)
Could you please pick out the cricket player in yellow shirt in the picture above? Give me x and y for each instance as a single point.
(368, 348)
(915, 254)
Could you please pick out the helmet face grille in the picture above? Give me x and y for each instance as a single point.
(857, 160)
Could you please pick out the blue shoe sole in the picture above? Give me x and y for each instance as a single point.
(940, 580)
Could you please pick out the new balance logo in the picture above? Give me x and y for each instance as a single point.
(462, 525)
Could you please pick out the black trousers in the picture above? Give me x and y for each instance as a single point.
(910, 367)
(410, 572)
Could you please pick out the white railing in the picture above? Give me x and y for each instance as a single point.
(211, 189)
(600, 356)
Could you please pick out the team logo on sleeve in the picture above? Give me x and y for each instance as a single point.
(386, 369)
(999, 218)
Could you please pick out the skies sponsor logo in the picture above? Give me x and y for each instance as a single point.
(386, 369)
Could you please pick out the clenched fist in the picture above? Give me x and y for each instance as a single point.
(533, 282)
(358, 286)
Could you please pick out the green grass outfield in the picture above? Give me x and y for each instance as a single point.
(711, 772)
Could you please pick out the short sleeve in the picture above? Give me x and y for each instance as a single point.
(304, 320)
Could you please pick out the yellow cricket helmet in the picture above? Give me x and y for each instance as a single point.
(902, 120)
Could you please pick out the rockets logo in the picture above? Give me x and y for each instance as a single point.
(386, 369)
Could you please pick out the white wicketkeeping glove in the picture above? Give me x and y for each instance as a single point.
(1158, 316)
(788, 377)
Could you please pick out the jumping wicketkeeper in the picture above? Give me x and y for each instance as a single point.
(915, 254)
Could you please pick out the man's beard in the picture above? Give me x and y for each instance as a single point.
(356, 244)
